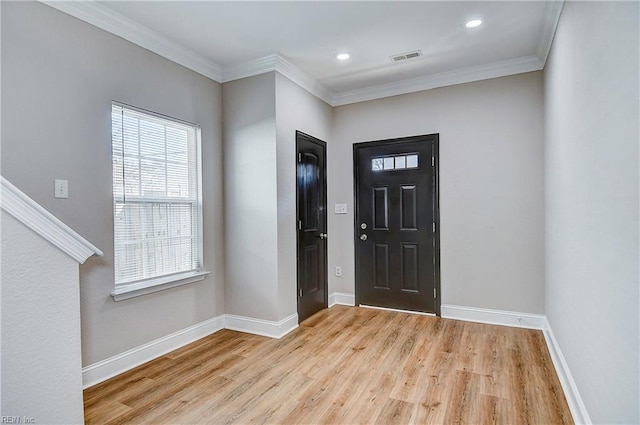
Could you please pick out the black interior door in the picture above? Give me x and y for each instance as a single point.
(312, 225)
(397, 247)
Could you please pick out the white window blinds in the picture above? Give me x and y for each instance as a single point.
(156, 196)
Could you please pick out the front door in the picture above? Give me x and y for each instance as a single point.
(312, 225)
(397, 225)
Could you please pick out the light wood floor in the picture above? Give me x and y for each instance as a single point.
(344, 365)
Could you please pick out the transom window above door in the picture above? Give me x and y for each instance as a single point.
(395, 162)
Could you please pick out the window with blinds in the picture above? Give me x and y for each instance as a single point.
(156, 197)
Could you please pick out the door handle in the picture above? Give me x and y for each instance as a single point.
(323, 236)
(363, 237)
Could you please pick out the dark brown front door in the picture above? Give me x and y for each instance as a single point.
(312, 225)
(397, 226)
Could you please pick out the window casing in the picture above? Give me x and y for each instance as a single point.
(157, 205)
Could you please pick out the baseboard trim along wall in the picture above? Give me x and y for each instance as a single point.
(493, 317)
(529, 321)
(396, 310)
(261, 327)
(576, 405)
(108, 368)
(341, 298)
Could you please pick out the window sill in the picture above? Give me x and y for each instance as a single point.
(150, 286)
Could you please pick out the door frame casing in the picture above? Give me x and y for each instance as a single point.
(432, 138)
(323, 145)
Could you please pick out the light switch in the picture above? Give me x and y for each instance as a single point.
(340, 208)
(61, 189)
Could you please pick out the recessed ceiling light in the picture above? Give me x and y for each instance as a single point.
(343, 56)
(473, 23)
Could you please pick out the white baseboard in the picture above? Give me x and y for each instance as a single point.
(108, 368)
(576, 405)
(261, 327)
(530, 321)
(341, 298)
(493, 317)
(397, 310)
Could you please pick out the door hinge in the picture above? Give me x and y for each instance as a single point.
(299, 224)
(299, 156)
(434, 294)
(300, 292)
(433, 227)
(433, 161)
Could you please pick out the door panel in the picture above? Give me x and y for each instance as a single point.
(408, 208)
(397, 246)
(312, 225)
(410, 263)
(381, 208)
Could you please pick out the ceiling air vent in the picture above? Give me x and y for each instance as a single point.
(405, 56)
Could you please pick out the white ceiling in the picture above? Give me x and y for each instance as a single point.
(232, 39)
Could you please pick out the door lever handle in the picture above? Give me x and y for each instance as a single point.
(323, 236)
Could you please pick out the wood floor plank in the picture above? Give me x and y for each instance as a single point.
(411, 383)
(105, 412)
(265, 411)
(344, 365)
(118, 385)
(464, 399)
(369, 407)
(494, 410)
(394, 412)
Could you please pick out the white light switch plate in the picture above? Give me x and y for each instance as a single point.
(340, 208)
(61, 188)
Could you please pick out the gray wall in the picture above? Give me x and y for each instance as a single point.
(261, 115)
(59, 76)
(250, 197)
(491, 185)
(296, 109)
(591, 166)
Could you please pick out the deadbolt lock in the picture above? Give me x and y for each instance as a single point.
(363, 226)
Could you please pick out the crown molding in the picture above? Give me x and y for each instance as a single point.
(115, 23)
(551, 18)
(281, 65)
(459, 76)
(41, 221)
(249, 69)
(304, 80)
